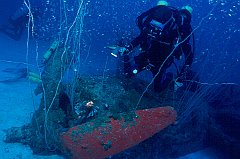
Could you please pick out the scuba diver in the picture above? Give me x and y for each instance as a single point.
(17, 21)
(165, 34)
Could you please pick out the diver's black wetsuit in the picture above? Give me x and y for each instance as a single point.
(161, 28)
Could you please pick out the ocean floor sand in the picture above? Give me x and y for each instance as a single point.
(17, 104)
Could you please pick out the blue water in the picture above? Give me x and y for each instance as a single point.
(217, 35)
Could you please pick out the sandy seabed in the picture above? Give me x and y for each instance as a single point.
(17, 104)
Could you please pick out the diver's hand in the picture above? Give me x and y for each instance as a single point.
(117, 50)
(123, 50)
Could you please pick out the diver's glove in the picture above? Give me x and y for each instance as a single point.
(123, 51)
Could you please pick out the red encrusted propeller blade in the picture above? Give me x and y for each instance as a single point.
(94, 140)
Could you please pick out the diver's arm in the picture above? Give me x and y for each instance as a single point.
(141, 19)
(135, 42)
(129, 47)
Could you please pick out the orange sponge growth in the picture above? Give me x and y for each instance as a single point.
(94, 140)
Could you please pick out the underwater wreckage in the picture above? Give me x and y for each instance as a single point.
(97, 117)
(95, 128)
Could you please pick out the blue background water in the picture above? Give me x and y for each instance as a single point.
(108, 21)
(216, 39)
